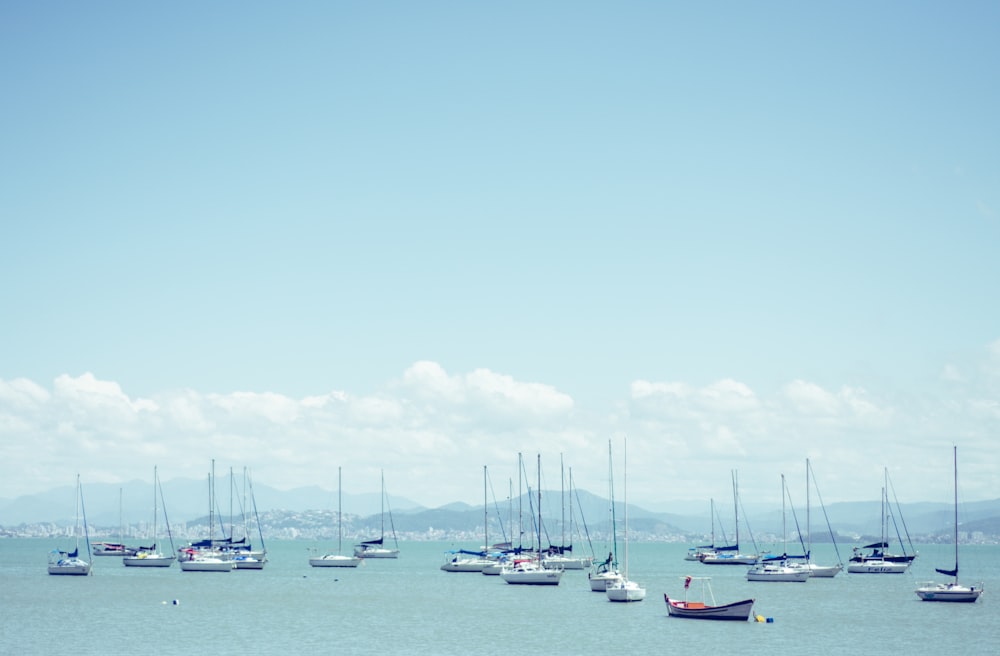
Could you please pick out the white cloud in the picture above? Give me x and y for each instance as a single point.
(432, 431)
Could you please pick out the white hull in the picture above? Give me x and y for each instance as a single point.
(206, 565)
(333, 560)
(777, 574)
(877, 567)
(818, 571)
(493, 569)
(475, 565)
(148, 560)
(561, 562)
(531, 574)
(376, 553)
(600, 582)
(949, 592)
(625, 591)
(73, 567)
(249, 562)
(729, 559)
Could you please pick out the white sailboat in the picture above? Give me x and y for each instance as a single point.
(529, 570)
(625, 589)
(730, 555)
(376, 548)
(879, 564)
(815, 570)
(70, 562)
(117, 549)
(150, 556)
(246, 557)
(203, 556)
(607, 572)
(952, 591)
(337, 559)
(777, 570)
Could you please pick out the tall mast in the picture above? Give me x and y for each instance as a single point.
(539, 468)
(486, 516)
(736, 508)
(340, 518)
(955, 461)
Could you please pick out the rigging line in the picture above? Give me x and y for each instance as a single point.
(753, 541)
(503, 531)
(901, 518)
(795, 519)
(840, 560)
(583, 520)
(163, 504)
(392, 525)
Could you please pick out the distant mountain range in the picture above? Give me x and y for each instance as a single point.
(187, 500)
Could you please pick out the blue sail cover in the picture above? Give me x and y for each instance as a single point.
(948, 572)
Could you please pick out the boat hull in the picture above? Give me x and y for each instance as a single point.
(334, 561)
(206, 565)
(70, 568)
(949, 592)
(531, 574)
(738, 611)
(600, 582)
(877, 567)
(625, 591)
(376, 553)
(148, 560)
(766, 573)
(725, 559)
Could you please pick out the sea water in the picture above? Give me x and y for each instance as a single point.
(410, 606)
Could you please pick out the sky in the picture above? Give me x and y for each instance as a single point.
(421, 238)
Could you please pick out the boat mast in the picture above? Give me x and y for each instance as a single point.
(625, 484)
(736, 508)
(340, 520)
(486, 516)
(562, 502)
(808, 525)
(382, 536)
(539, 470)
(955, 467)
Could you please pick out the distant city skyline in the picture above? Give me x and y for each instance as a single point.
(425, 237)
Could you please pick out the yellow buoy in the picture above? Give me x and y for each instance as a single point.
(759, 618)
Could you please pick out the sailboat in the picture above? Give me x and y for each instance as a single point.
(730, 555)
(562, 557)
(879, 549)
(69, 562)
(817, 571)
(376, 548)
(337, 559)
(878, 562)
(114, 548)
(529, 570)
(607, 572)
(699, 552)
(149, 556)
(203, 556)
(625, 589)
(776, 569)
(951, 591)
(464, 560)
(245, 557)
(707, 608)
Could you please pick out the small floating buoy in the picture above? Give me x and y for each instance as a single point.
(176, 602)
(770, 620)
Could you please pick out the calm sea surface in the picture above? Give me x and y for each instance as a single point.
(409, 606)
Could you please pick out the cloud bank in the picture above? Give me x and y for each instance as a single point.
(432, 431)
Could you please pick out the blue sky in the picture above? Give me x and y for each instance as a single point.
(740, 234)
